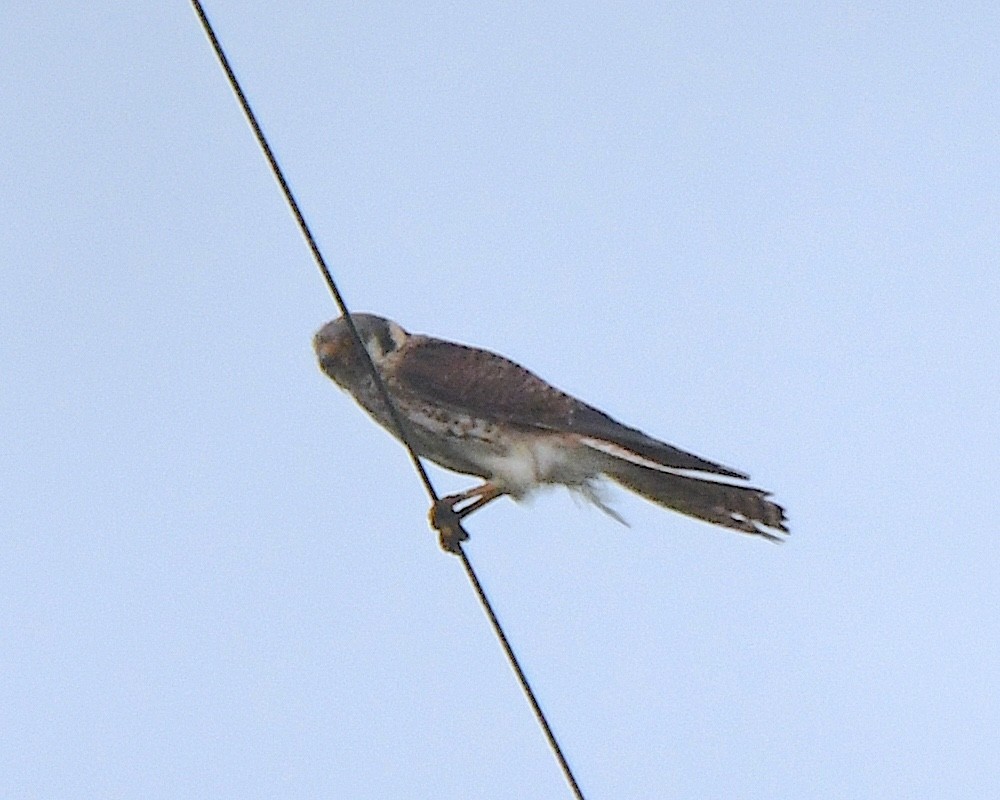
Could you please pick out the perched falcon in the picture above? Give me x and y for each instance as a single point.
(476, 412)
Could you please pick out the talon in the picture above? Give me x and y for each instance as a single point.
(448, 523)
(446, 518)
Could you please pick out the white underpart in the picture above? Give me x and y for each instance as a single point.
(532, 461)
(521, 463)
(527, 463)
(537, 462)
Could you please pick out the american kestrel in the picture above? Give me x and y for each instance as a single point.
(478, 413)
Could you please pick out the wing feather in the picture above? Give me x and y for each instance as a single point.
(491, 387)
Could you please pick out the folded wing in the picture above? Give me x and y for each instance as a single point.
(487, 385)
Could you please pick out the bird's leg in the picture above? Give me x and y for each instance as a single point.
(446, 519)
(484, 494)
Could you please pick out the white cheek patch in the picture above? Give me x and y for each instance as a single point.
(374, 345)
(374, 349)
(398, 335)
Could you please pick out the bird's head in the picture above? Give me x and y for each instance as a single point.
(338, 353)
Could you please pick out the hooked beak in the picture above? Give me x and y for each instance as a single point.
(325, 347)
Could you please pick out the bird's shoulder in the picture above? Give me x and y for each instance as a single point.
(482, 383)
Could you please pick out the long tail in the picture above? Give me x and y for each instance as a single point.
(740, 508)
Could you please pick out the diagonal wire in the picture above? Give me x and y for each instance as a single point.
(521, 677)
(310, 240)
(393, 411)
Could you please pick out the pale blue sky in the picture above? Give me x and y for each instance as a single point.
(764, 232)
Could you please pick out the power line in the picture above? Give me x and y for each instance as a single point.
(451, 532)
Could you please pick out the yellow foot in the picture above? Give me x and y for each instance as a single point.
(448, 523)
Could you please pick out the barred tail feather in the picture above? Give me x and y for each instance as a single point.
(741, 508)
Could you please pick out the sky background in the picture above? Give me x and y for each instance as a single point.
(764, 232)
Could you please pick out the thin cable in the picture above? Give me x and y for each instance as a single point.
(515, 664)
(397, 420)
(307, 233)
